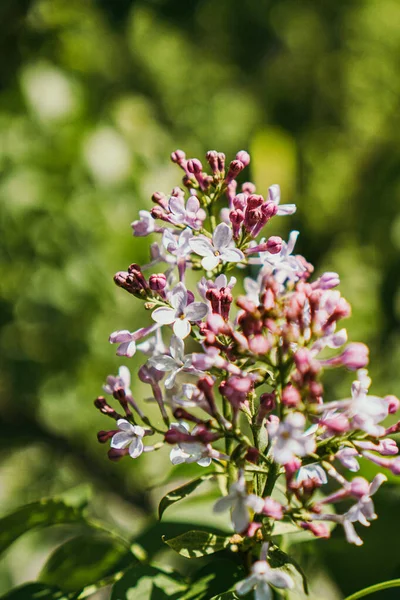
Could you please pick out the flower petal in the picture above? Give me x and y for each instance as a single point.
(201, 246)
(223, 504)
(162, 362)
(177, 348)
(245, 586)
(136, 447)
(170, 381)
(210, 262)
(274, 193)
(125, 375)
(127, 349)
(240, 516)
(163, 315)
(118, 337)
(279, 579)
(232, 255)
(193, 204)
(286, 210)
(124, 425)
(179, 298)
(182, 328)
(222, 236)
(177, 456)
(196, 311)
(120, 440)
(204, 462)
(176, 206)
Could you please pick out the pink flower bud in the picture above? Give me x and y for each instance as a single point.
(248, 188)
(160, 199)
(272, 509)
(252, 529)
(252, 455)
(243, 157)
(114, 454)
(355, 356)
(236, 218)
(194, 165)
(273, 245)
(157, 282)
(104, 436)
(240, 201)
(268, 401)
(178, 157)
(327, 281)
(291, 396)
(212, 159)
(259, 344)
(320, 530)
(393, 404)
(337, 424)
(235, 167)
(359, 487)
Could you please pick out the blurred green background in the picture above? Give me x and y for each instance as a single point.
(94, 95)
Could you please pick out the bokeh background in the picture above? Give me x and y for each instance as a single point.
(94, 95)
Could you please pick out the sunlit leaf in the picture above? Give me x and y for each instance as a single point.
(146, 582)
(181, 492)
(195, 544)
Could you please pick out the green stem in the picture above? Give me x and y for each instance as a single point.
(378, 587)
(271, 479)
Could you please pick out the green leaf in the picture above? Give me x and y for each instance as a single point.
(181, 492)
(279, 558)
(35, 591)
(146, 582)
(195, 544)
(37, 514)
(83, 560)
(217, 577)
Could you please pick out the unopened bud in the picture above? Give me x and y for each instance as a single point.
(157, 282)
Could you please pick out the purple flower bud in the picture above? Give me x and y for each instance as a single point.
(160, 199)
(320, 530)
(212, 159)
(243, 157)
(104, 436)
(328, 281)
(236, 217)
(114, 454)
(240, 201)
(235, 167)
(178, 157)
(157, 282)
(274, 244)
(259, 344)
(194, 165)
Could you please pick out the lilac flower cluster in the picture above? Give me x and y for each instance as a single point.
(250, 400)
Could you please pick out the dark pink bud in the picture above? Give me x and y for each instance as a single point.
(240, 201)
(149, 374)
(291, 396)
(226, 302)
(114, 454)
(182, 414)
(252, 455)
(214, 296)
(274, 244)
(178, 157)
(173, 436)
(104, 436)
(212, 159)
(236, 217)
(243, 157)
(160, 199)
(235, 167)
(194, 165)
(393, 404)
(157, 282)
(268, 401)
(320, 530)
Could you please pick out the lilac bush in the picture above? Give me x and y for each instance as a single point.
(250, 399)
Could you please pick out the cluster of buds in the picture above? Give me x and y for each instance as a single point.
(250, 400)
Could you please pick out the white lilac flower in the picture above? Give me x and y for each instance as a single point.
(274, 195)
(144, 225)
(219, 283)
(191, 215)
(289, 439)
(127, 339)
(129, 436)
(174, 362)
(177, 245)
(122, 380)
(182, 312)
(189, 452)
(189, 396)
(313, 472)
(154, 345)
(220, 249)
(262, 576)
(333, 340)
(364, 411)
(240, 503)
(348, 457)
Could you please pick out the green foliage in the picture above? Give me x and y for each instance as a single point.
(38, 514)
(84, 560)
(195, 544)
(180, 493)
(147, 582)
(35, 591)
